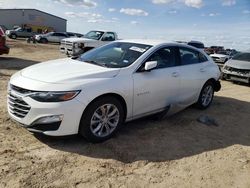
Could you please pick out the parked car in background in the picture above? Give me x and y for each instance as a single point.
(220, 57)
(238, 68)
(231, 52)
(55, 37)
(93, 39)
(20, 33)
(197, 44)
(213, 49)
(4, 49)
(118, 82)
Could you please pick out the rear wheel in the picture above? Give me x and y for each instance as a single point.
(43, 40)
(206, 96)
(101, 119)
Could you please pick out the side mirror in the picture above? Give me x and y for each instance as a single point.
(150, 65)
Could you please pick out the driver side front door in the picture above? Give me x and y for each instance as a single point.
(155, 90)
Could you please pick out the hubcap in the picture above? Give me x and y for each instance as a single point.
(104, 120)
(207, 95)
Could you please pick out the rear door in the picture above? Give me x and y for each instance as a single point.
(156, 89)
(192, 74)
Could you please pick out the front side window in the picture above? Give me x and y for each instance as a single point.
(115, 55)
(96, 35)
(108, 37)
(189, 56)
(165, 57)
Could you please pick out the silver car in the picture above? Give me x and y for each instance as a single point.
(51, 37)
(237, 69)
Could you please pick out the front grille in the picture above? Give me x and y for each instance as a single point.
(16, 105)
(69, 45)
(239, 71)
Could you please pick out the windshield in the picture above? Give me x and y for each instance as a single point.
(242, 57)
(115, 55)
(96, 35)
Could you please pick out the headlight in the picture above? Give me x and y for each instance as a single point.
(54, 96)
(75, 45)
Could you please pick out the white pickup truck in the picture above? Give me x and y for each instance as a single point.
(93, 39)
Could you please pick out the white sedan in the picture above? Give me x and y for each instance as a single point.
(122, 81)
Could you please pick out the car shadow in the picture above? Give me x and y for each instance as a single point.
(178, 136)
(12, 63)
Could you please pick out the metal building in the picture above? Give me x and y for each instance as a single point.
(34, 18)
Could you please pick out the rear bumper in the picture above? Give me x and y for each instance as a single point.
(217, 86)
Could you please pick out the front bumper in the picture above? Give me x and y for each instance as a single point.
(71, 112)
(68, 50)
(232, 76)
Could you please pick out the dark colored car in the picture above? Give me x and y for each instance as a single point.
(196, 44)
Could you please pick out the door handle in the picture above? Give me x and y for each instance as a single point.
(175, 74)
(202, 70)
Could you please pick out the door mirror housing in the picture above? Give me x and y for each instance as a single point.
(150, 65)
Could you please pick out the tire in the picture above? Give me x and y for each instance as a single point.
(95, 125)
(206, 96)
(13, 36)
(43, 40)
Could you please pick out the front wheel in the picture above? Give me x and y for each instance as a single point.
(206, 96)
(13, 36)
(43, 40)
(101, 119)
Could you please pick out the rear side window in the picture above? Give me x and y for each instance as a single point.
(189, 56)
(202, 58)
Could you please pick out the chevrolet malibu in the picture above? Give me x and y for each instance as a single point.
(122, 81)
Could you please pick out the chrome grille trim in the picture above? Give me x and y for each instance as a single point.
(16, 105)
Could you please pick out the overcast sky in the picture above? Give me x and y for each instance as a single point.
(214, 22)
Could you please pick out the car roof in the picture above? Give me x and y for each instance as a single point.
(150, 42)
(156, 42)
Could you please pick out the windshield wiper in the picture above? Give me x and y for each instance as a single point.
(90, 61)
(95, 63)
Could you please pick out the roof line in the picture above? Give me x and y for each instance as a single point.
(35, 10)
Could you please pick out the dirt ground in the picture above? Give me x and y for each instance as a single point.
(175, 152)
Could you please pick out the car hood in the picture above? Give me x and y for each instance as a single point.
(67, 70)
(75, 39)
(238, 64)
(218, 55)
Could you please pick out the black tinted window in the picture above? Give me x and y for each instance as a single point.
(242, 56)
(189, 56)
(59, 34)
(202, 58)
(165, 57)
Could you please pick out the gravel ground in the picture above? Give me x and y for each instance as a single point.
(176, 152)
